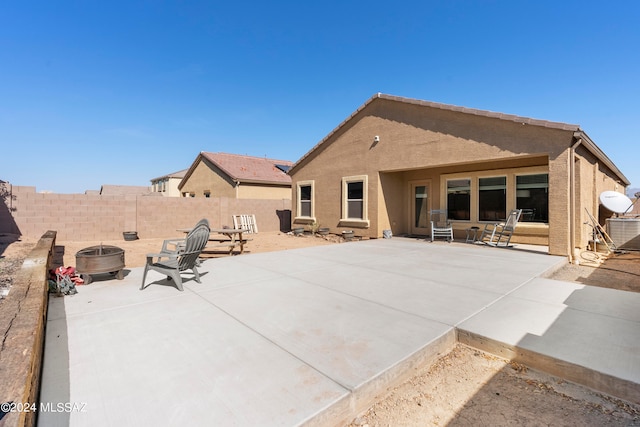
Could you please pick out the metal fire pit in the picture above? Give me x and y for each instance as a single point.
(100, 259)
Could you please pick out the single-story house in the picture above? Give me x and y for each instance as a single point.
(396, 158)
(167, 185)
(237, 176)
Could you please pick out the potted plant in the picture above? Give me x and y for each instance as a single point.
(347, 235)
(323, 231)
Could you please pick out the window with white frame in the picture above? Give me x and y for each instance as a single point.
(305, 199)
(492, 198)
(354, 198)
(459, 199)
(532, 196)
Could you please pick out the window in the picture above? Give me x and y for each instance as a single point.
(354, 201)
(492, 198)
(459, 199)
(420, 203)
(532, 196)
(305, 197)
(207, 194)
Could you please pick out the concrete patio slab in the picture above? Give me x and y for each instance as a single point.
(581, 333)
(312, 336)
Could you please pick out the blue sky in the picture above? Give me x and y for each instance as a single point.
(120, 92)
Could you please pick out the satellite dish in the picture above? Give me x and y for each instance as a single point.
(615, 202)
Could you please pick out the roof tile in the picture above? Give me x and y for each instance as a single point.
(249, 168)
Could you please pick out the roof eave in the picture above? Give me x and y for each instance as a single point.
(257, 181)
(190, 171)
(600, 155)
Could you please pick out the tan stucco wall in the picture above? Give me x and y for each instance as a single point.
(257, 191)
(206, 177)
(592, 178)
(423, 143)
(172, 188)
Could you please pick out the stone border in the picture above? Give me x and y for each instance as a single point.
(22, 320)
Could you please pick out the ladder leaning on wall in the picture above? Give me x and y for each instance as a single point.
(600, 235)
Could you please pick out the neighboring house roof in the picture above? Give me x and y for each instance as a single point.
(578, 133)
(116, 190)
(247, 169)
(179, 174)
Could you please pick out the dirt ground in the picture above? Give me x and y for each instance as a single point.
(465, 386)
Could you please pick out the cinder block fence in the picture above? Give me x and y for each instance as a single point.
(88, 217)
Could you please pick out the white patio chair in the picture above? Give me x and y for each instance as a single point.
(440, 225)
(499, 234)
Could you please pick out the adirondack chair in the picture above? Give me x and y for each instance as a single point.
(171, 247)
(499, 234)
(185, 257)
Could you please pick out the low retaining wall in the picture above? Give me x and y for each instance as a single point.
(23, 316)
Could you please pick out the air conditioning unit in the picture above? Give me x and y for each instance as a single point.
(625, 232)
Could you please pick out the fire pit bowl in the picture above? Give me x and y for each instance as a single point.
(100, 259)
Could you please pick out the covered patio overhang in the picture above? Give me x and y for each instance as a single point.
(406, 196)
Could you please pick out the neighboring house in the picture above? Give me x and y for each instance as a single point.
(123, 190)
(396, 158)
(167, 185)
(237, 176)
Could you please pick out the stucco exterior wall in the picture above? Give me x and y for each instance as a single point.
(167, 187)
(207, 178)
(421, 145)
(172, 188)
(418, 143)
(256, 191)
(592, 178)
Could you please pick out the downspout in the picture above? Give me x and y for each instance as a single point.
(572, 187)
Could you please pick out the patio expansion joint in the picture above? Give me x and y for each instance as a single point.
(499, 298)
(345, 387)
(390, 307)
(116, 308)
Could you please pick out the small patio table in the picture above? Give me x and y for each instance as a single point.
(472, 234)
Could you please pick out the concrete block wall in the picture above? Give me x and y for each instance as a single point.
(84, 217)
(72, 216)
